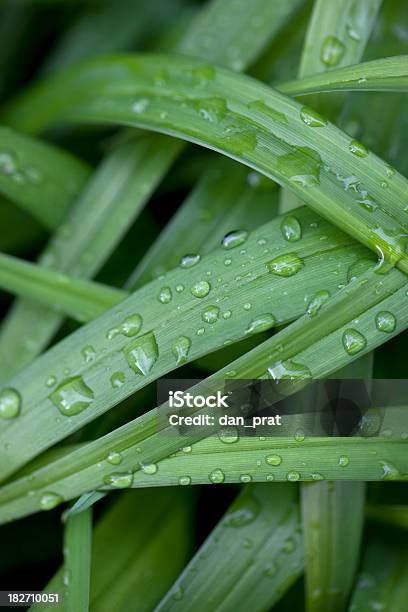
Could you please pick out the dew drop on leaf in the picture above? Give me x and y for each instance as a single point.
(261, 323)
(149, 468)
(385, 321)
(312, 118)
(357, 148)
(72, 396)
(10, 403)
(228, 435)
(190, 260)
(289, 370)
(201, 289)
(50, 500)
(332, 51)
(293, 476)
(165, 295)
(181, 349)
(273, 460)
(114, 458)
(291, 229)
(317, 301)
(301, 166)
(344, 460)
(119, 480)
(285, 265)
(117, 380)
(353, 341)
(129, 327)
(217, 476)
(234, 239)
(211, 314)
(184, 480)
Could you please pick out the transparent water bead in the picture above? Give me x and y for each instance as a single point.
(10, 403)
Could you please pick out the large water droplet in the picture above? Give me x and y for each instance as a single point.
(317, 301)
(72, 396)
(211, 314)
(234, 239)
(190, 260)
(289, 370)
(50, 500)
(301, 166)
(129, 327)
(311, 117)
(201, 289)
(385, 321)
(10, 403)
(285, 265)
(332, 51)
(217, 476)
(119, 480)
(142, 354)
(344, 460)
(165, 295)
(181, 349)
(149, 468)
(114, 458)
(261, 323)
(291, 229)
(353, 341)
(274, 460)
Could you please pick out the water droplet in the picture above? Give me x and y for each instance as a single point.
(344, 460)
(149, 468)
(142, 354)
(317, 302)
(261, 323)
(119, 480)
(190, 260)
(72, 396)
(140, 106)
(260, 106)
(165, 295)
(50, 500)
(51, 381)
(234, 239)
(244, 512)
(184, 480)
(291, 229)
(390, 471)
(317, 476)
(353, 341)
(273, 460)
(179, 288)
(201, 289)
(245, 478)
(117, 380)
(217, 476)
(239, 140)
(293, 476)
(181, 348)
(301, 166)
(129, 327)
(358, 149)
(114, 458)
(288, 545)
(285, 265)
(289, 370)
(271, 569)
(227, 314)
(385, 321)
(228, 435)
(311, 117)
(88, 353)
(211, 314)
(10, 403)
(299, 435)
(332, 51)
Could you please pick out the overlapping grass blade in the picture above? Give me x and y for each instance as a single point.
(80, 299)
(396, 514)
(387, 74)
(332, 541)
(254, 125)
(39, 177)
(77, 561)
(381, 583)
(211, 298)
(249, 560)
(107, 209)
(227, 197)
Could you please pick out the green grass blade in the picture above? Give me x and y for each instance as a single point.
(382, 584)
(105, 212)
(254, 125)
(227, 197)
(77, 561)
(396, 514)
(97, 352)
(387, 74)
(82, 300)
(249, 560)
(332, 541)
(39, 177)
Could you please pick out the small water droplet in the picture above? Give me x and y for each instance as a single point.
(289, 370)
(142, 354)
(385, 321)
(129, 327)
(88, 353)
(181, 349)
(261, 323)
(293, 476)
(344, 460)
(119, 480)
(201, 289)
(50, 500)
(317, 301)
(234, 239)
(114, 458)
(312, 118)
(51, 381)
(211, 314)
(179, 288)
(285, 265)
(217, 476)
(140, 106)
(165, 295)
(184, 480)
(10, 403)
(353, 341)
(245, 478)
(149, 468)
(291, 229)
(117, 380)
(332, 51)
(72, 396)
(190, 260)
(358, 149)
(273, 460)
(299, 435)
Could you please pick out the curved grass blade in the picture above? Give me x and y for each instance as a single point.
(332, 538)
(82, 300)
(387, 74)
(395, 514)
(226, 198)
(254, 125)
(39, 177)
(77, 561)
(382, 583)
(213, 312)
(106, 209)
(250, 559)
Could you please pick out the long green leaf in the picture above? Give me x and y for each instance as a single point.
(39, 177)
(387, 74)
(254, 125)
(220, 301)
(249, 560)
(77, 561)
(109, 205)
